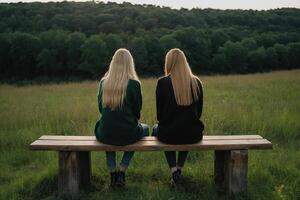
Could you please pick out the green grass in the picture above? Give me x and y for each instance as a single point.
(266, 104)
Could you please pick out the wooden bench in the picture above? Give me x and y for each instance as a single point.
(231, 157)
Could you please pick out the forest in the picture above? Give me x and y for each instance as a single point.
(77, 39)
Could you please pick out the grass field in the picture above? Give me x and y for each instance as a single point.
(266, 104)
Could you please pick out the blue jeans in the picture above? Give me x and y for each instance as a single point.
(171, 155)
(127, 155)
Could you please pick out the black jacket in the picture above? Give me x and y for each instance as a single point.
(177, 124)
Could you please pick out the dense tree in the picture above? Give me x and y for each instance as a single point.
(46, 60)
(139, 51)
(219, 63)
(196, 45)
(267, 39)
(249, 43)
(93, 56)
(4, 55)
(271, 58)
(168, 42)
(282, 56)
(23, 52)
(74, 43)
(294, 54)
(79, 38)
(155, 55)
(218, 38)
(257, 60)
(236, 56)
(113, 42)
(55, 42)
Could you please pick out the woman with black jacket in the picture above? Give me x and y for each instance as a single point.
(179, 102)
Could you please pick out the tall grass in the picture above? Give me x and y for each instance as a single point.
(266, 104)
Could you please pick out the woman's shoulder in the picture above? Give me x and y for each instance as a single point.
(164, 79)
(134, 83)
(164, 83)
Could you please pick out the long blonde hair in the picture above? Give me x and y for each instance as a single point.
(185, 86)
(115, 81)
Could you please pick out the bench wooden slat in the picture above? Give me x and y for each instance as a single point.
(205, 137)
(151, 145)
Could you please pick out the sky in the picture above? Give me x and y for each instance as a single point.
(219, 4)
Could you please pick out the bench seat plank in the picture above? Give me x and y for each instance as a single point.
(205, 137)
(149, 145)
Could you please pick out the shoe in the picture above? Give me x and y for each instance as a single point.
(176, 177)
(121, 179)
(113, 179)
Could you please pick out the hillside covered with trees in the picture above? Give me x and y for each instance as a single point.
(68, 39)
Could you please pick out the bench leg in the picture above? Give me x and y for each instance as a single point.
(219, 172)
(74, 171)
(85, 168)
(231, 168)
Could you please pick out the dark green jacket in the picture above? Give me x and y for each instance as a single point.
(121, 126)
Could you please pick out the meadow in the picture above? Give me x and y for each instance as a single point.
(267, 104)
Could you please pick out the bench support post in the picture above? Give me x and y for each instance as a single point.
(231, 168)
(219, 170)
(74, 171)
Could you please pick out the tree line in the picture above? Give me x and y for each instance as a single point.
(67, 39)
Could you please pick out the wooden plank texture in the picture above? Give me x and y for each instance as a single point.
(151, 145)
(68, 173)
(74, 171)
(219, 170)
(206, 137)
(231, 169)
(236, 171)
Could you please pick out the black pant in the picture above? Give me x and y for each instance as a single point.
(171, 155)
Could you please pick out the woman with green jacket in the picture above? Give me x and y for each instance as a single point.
(120, 103)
